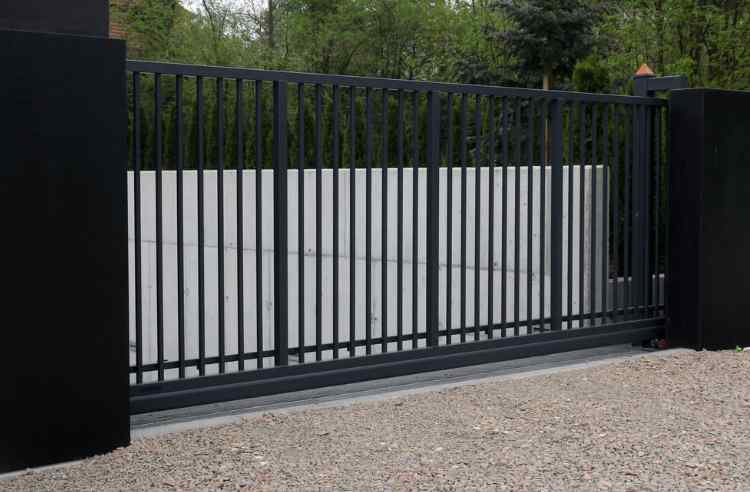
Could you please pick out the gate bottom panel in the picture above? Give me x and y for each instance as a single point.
(166, 395)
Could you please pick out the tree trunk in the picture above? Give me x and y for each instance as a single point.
(659, 36)
(270, 24)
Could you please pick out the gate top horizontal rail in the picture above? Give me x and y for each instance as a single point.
(380, 83)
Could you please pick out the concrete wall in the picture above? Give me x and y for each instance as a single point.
(250, 309)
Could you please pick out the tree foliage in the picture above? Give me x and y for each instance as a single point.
(591, 75)
(498, 42)
(707, 40)
(548, 37)
(150, 24)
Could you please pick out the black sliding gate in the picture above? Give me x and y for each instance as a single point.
(293, 230)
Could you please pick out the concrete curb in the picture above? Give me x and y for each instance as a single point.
(55, 466)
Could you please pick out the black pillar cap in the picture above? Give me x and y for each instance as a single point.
(81, 17)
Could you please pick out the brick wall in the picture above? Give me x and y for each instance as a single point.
(117, 23)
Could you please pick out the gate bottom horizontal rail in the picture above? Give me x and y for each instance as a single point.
(151, 397)
(408, 337)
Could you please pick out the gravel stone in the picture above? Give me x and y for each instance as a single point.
(673, 423)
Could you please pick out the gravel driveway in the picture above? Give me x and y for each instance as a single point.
(674, 423)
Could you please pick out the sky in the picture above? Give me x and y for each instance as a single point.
(190, 4)
(195, 4)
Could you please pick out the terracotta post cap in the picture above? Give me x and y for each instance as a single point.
(644, 71)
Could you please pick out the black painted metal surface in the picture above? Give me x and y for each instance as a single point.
(64, 363)
(197, 391)
(709, 223)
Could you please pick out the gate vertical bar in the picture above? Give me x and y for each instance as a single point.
(159, 229)
(544, 155)
(301, 223)
(636, 187)
(491, 221)
(318, 222)
(259, 219)
(449, 226)
(592, 225)
(384, 229)
(368, 221)
(616, 197)
(530, 219)
(400, 220)
(336, 159)
(415, 222)
(280, 284)
(201, 228)
(657, 208)
(581, 214)
(433, 217)
(220, 216)
(647, 208)
(571, 172)
(137, 226)
(556, 212)
(606, 209)
(666, 146)
(504, 232)
(477, 208)
(628, 217)
(179, 152)
(240, 116)
(464, 138)
(352, 218)
(517, 219)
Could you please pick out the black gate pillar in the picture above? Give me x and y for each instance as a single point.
(709, 254)
(63, 151)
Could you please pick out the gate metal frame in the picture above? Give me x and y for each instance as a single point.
(642, 316)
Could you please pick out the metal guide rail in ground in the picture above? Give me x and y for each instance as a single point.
(292, 230)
